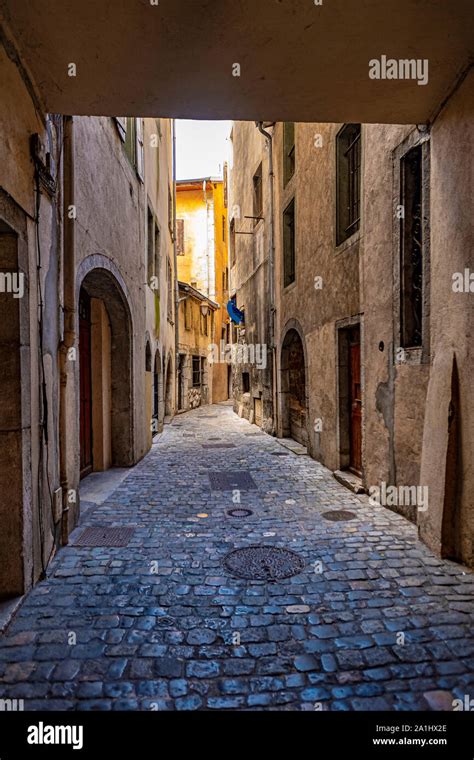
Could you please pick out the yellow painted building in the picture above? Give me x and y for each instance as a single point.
(202, 248)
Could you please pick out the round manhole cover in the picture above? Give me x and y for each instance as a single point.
(263, 563)
(239, 512)
(339, 515)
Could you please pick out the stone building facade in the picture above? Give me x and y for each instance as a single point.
(250, 278)
(196, 330)
(79, 318)
(371, 341)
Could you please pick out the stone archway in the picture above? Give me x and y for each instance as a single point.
(293, 393)
(105, 370)
(148, 392)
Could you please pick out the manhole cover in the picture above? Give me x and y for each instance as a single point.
(229, 480)
(266, 563)
(339, 515)
(239, 512)
(104, 537)
(218, 446)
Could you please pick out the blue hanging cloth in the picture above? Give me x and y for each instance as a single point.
(234, 313)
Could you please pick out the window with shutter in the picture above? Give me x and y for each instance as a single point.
(180, 236)
(139, 148)
(121, 124)
(288, 151)
(130, 144)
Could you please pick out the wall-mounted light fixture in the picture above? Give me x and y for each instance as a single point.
(204, 309)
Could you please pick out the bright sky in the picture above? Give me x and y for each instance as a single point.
(201, 148)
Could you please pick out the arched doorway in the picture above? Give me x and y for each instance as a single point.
(148, 393)
(293, 389)
(157, 394)
(105, 359)
(169, 388)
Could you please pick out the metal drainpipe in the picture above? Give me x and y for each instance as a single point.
(175, 257)
(269, 137)
(69, 329)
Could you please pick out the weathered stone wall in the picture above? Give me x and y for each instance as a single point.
(158, 185)
(249, 274)
(449, 407)
(316, 305)
(26, 460)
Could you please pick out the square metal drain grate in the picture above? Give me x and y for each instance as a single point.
(104, 537)
(230, 480)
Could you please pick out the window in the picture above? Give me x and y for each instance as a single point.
(139, 149)
(289, 244)
(130, 141)
(157, 250)
(187, 313)
(196, 371)
(288, 151)
(348, 175)
(411, 248)
(204, 324)
(257, 195)
(131, 134)
(232, 243)
(245, 382)
(203, 371)
(223, 228)
(121, 122)
(150, 257)
(225, 280)
(170, 290)
(170, 212)
(180, 237)
(152, 250)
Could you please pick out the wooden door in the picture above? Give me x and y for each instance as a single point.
(355, 400)
(85, 383)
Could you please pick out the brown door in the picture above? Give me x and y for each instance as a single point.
(85, 383)
(355, 400)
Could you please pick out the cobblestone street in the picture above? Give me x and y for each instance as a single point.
(374, 620)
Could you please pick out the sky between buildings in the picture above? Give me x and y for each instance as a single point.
(201, 148)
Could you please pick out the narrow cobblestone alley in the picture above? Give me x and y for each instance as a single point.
(155, 622)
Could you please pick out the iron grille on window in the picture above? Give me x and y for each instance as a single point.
(196, 371)
(348, 176)
(411, 248)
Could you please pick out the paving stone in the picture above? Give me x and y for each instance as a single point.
(165, 640)
(306, 662)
